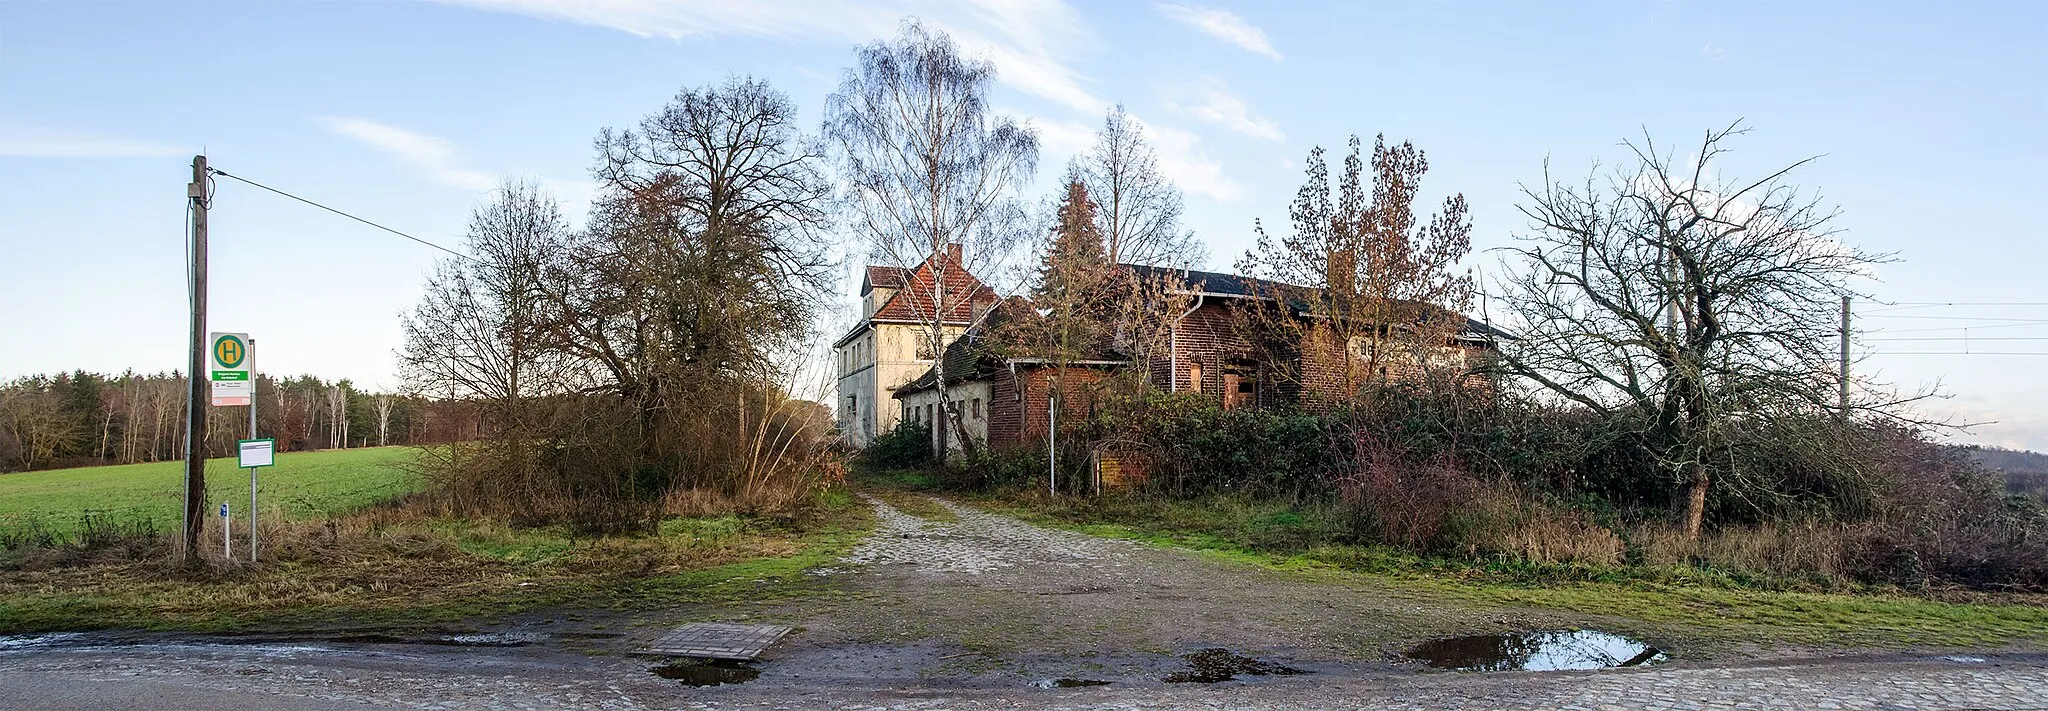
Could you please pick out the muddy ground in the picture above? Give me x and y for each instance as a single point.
(983, 611)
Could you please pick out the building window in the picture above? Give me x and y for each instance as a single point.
(1195, 377)
(977, 408)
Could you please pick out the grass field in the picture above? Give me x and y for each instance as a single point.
(303, 485)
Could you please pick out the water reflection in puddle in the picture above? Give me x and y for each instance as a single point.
(1549, 650)
(1209, 666)
(707, 672)
(1066, 683)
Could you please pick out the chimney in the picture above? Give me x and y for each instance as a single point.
(953, 252)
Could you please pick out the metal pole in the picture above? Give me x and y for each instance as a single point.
(254, 380)
(1842, 398)
(1052, 433)
(196, 396)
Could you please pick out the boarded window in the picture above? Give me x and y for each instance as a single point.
(1195, 377)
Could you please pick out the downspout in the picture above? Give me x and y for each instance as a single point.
(1173, 336)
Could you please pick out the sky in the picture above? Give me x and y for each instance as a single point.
(1928, 120)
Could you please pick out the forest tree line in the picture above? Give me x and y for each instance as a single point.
(83, 419)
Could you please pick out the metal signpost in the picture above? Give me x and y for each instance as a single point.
(233, 375)
(252, 454)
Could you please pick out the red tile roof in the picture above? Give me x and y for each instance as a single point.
(915, 302)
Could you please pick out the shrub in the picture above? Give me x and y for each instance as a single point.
(908, 446)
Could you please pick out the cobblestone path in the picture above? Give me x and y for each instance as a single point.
(980, 542)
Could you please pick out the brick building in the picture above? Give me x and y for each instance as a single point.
(1004, 401)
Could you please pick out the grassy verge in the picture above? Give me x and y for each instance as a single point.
(1707, 609)
(372, 568)
(303, 486)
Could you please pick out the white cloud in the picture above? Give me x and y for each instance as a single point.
(1059, 139)
(1223, 25)
(37, 142)
(1027, 39)
(1181, 158)
(1215, 104)
(431, 155)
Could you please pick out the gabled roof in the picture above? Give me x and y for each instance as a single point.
(915, 297)
(1244, 287)
(881, 277)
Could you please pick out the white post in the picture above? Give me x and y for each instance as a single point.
(1052, 433)
(227, 529)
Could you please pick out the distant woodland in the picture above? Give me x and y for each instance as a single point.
(2025, 472)
(80, 418)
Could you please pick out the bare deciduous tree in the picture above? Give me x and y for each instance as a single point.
(927, 166)
(471, 334)
(1369, 274)
(383, 403)
(1139, 208)
(1681, 304)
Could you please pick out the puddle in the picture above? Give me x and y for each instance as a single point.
(487, 639)
(1064, 683)
(1550, 650)
(706, 672)
(1213, 665)
(36, 641)
(484, 639)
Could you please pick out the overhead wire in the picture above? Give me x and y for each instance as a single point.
(226, 174)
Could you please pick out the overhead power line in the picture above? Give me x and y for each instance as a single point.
(224, 174)
(1965, 339)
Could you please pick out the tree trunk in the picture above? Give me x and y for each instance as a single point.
(1696, 502)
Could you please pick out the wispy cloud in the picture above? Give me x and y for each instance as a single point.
(1029, 40)
(1215, 103)
(1223, 25)
(38, 142)
(431, 155)
(1181, 158)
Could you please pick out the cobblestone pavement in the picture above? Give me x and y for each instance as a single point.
(980, 542)
(895, 645)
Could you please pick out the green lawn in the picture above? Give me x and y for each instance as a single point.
(302, 485)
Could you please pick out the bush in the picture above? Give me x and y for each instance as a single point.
(908, 446)
(1502, 478)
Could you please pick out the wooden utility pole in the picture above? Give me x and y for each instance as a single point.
(1842, 397)
(196, 397)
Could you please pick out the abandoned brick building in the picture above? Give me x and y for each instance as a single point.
(1005, 401)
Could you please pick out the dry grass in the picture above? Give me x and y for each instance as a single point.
(401, 562)
(1803, 548)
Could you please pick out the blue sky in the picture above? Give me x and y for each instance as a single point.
(1930, 118)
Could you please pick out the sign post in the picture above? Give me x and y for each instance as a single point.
(233, 383)
(252, 454)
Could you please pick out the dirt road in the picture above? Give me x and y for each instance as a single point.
(976, 612)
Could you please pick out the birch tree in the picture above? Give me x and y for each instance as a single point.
(927, 166)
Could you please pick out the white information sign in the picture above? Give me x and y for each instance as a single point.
(233, 382)
(257, 453)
